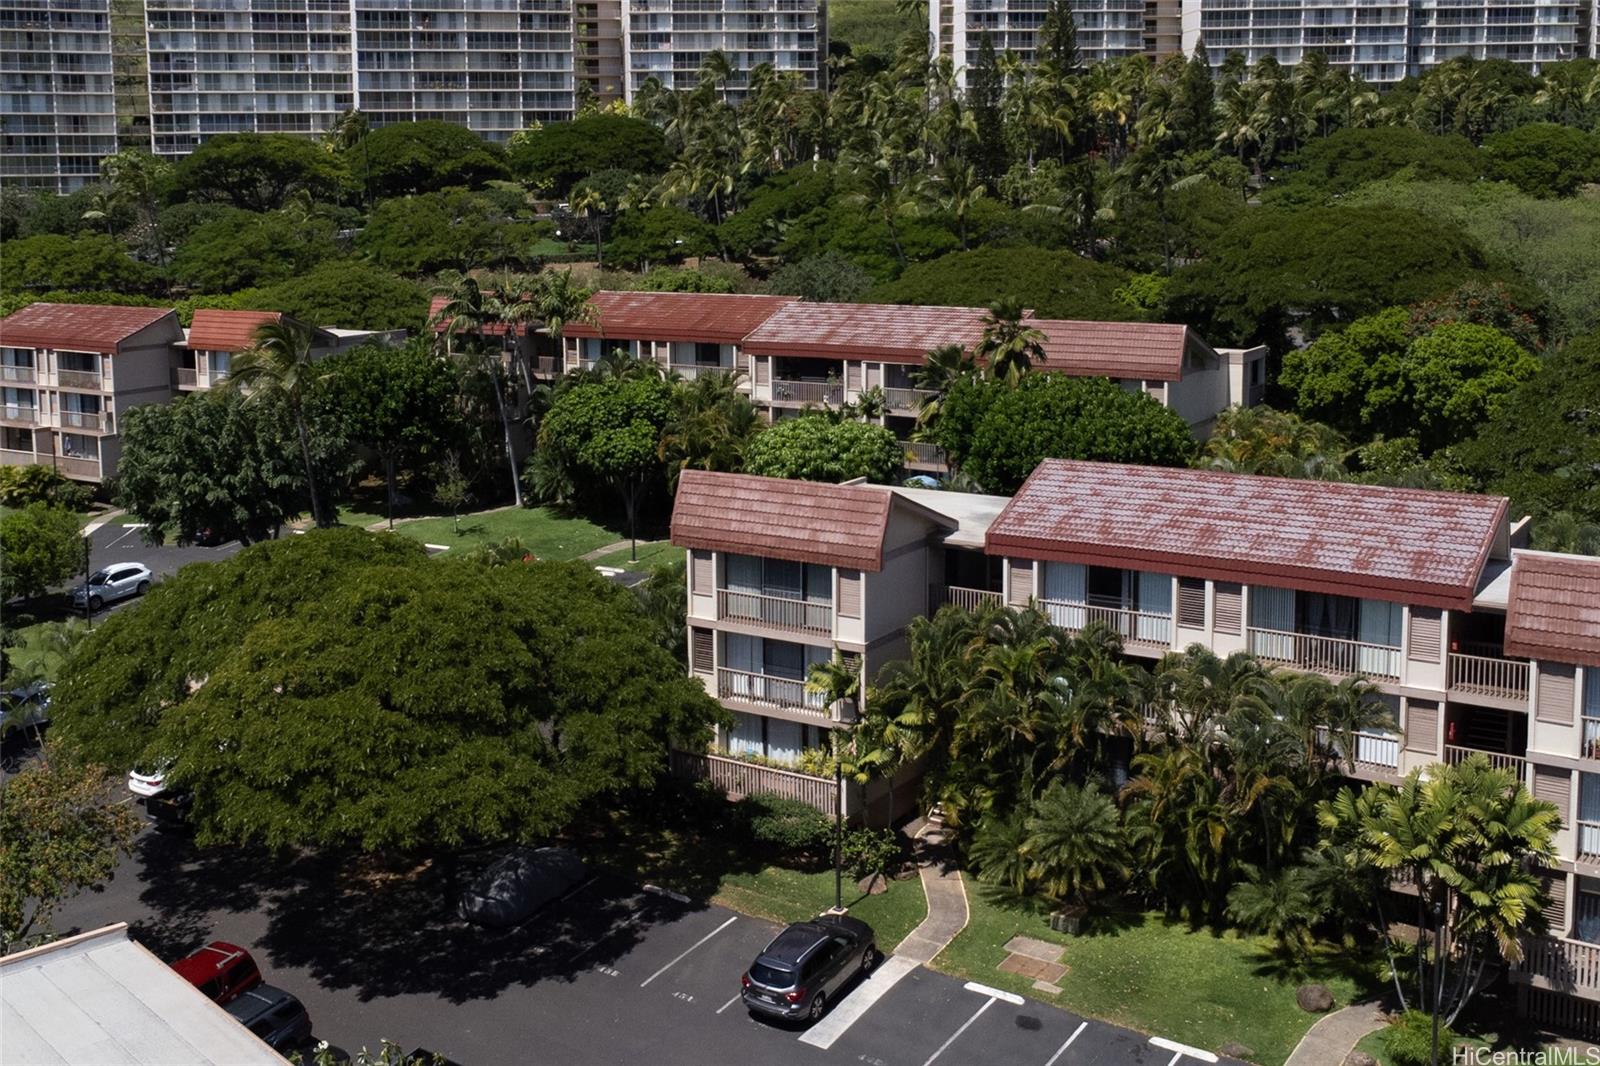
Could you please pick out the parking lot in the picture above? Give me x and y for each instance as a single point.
(612, 973)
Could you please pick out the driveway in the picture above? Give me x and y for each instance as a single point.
(611, 974)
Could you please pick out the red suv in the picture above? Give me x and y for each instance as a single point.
(221, 970)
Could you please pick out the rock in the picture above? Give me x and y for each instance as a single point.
(1359, 1058)
(1314, 998)
(872, 886)
(1235, 1050)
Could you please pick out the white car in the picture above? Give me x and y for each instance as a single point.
(115, 582)
(149, 779)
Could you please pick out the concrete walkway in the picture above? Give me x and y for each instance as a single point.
(947, 913)
(601, 553)
(1335, 1035)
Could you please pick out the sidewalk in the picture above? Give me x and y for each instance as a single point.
(1335, 1035)
(946, 892)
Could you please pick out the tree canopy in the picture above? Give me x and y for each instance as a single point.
(347, 293)
(1052, 284)
(50, 261)
(342, 688)
(241, 249)
(1544, 159)
(997, 433)
(608, 433)
(817, 448)
(453, 229)
(415, 157)
(40, 545)
(561, 154)
(1333, 165)
(259, 171)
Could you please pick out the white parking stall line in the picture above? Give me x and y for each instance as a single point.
(130, 528)
(730, 1003)
(1062, 1050)
(995, 993)
(964, 1026)
(849, 1010)
(688, 950)
(1180, 1050)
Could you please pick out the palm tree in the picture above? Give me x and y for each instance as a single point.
(1281, 905)
(466, 312)
(277, 366)
(890, 196)
(712, 424)
(997, 851)
(939, 372)
(959, 189)
(590, 202)
(1008, 346)
(1074, 845)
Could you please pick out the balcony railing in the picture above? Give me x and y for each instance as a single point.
(965, 598)
(766, 690)
(1590, 748)
(17, 413)
(1485, 675)
(73, 466)
(1379, 751)
(739, 778)
(185, 377)
(1589, 841)
(905, 400)
(1135, 627)
(803, 616)
(16, 457)
(1500, 761)
(1327, 655)
(807, 392)
(920, 453)
(1562, 963)
(78, 379)
(81, 419)
(690, 371)
(23, 374)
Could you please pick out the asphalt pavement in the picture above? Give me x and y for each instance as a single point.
(613, 973)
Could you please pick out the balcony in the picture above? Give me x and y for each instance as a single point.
(775, 612)
(185, 377)
(24, 375)
(966, 599)
(923, 456)
(691, 371)
(808, 392)
(738, 779)
(81, 419)
(80, 379)
(15, 457)
(765, 690)
(72, 466)
(1333, 656)
(1498, 760)
(1560, 964)
(26, 416)
(1588, 841)
(905, 401)
(1590, 748)
(1376, 756)
(1489, 676)
(1139, 630)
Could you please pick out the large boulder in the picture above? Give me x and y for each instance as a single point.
(1314, 998)
(1235, 1050)
(1360, 1058)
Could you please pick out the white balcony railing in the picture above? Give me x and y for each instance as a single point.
(81, 419)
(17, 457)
(1591, 739)
(784, 693)
(1135, 627)
(1327, 655)
(903, 401)
(1487, 675)
(1379, 751)
(920, 453)
(21, 374)
(79, 379)
(1563, 963)
(965, 598)
(73, 466)
(17, 413)
(691, 371)
(1589, 841)
(807, 392)
(185, 377)
(739, 778)
(778, 612)
(1500, 761)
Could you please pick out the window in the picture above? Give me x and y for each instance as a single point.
(1192, 602)
(1589, 814)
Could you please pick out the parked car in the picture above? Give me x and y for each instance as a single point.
(519, 883)
(221, 970)
(26, 708)
(273, 1015)
(807, 965)
(149, 778)
(170, 810)
(115, 582)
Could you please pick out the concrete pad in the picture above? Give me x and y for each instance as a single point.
(1037, 969)
(1035, 949)
(1046, 986)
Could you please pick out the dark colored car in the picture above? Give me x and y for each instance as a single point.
(273, 1015)
(519, 883)
(221, 970)
(807, 965)
(170, 810)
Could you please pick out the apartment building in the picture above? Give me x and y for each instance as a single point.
(668, 40)
(685, 333)
(57, 97)
(204, 358)
(69, 372)
(1108, 30)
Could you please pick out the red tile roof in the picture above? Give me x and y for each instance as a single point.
(79, 327)
(720, 318)
(1554, 611)
(227, 331)
(805, 521)
(1144, 350)
(896, 333)
(1407, 545)
(438, 303)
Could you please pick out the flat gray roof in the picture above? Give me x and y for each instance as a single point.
(971, 512)
(99, 997)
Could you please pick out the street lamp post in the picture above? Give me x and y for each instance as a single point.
(87, 618)
(838, 825)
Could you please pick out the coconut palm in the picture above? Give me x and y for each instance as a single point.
(466, 313)
(712, 424)
(277, 367)
(590, 202)
(1008, 346)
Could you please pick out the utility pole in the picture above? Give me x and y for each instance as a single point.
(838, 826)
(88, 620)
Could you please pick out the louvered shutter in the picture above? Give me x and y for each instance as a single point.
(849, 594)
(852, 376)
(701, 658)
(1422, 726)
(1554, 785)
(763, 371)
(1427, 633)
(1229, 607)
(1021, 581)
(1192, 602)
(1557, 693)
(1555, 908)
(702, 575)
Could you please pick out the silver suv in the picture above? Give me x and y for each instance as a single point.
(807, 966)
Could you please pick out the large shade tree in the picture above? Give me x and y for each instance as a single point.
(341, 688)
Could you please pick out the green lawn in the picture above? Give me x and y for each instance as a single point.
(541, 531)
(652, 554)
(781, 895)
(1161, 977)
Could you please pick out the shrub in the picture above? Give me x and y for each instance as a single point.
(1409, 1040)
(870, 852)
(788, 824)
(22, 485)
